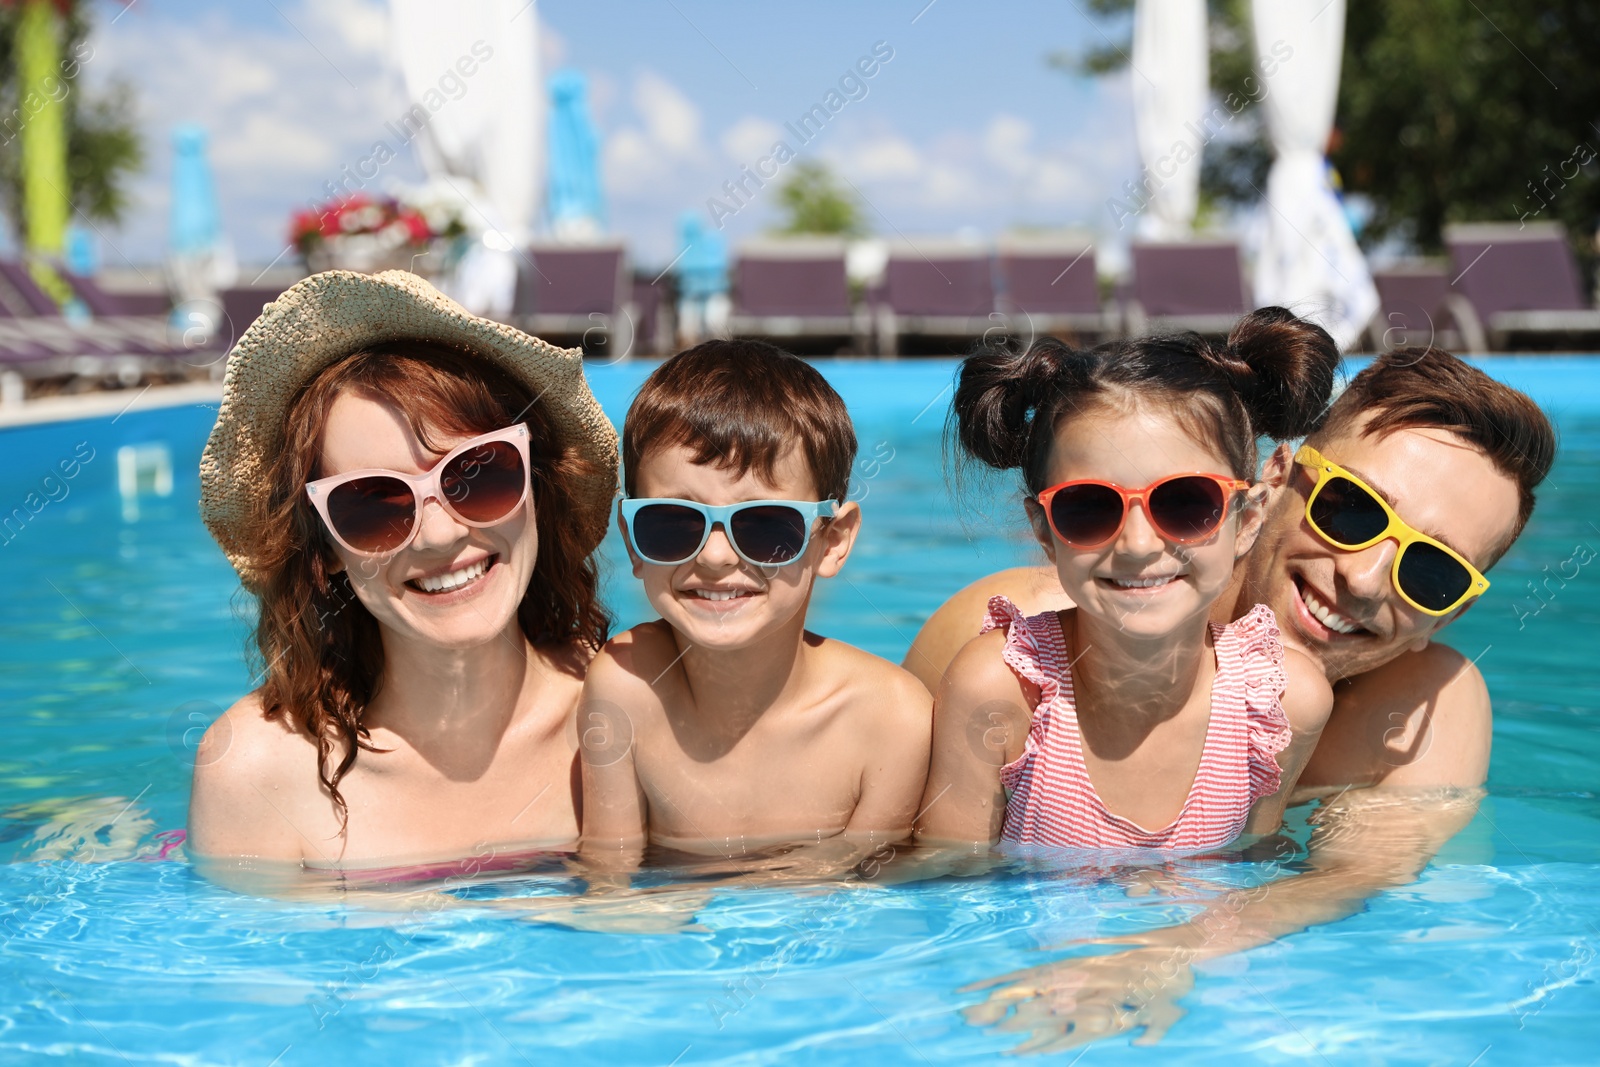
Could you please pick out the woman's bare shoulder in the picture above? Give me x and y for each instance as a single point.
(246, 738)
(254, 777)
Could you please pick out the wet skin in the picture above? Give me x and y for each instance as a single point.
(477, 723)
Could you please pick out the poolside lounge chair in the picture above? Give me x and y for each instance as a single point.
(241, 306)
(1048, 286)
(1520, 279)
(1416, 306)
(120, 326)
(932, 288)
(1186, 285)
(37, 342)
(103, 303)
(582, 293)
(655, 325)
(795, 288)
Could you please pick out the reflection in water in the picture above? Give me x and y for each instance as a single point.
(1363, 842)
(83, 829)
(1117, 969)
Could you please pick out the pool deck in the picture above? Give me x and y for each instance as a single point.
(115, 402)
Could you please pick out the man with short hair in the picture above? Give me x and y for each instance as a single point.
(1377, 533)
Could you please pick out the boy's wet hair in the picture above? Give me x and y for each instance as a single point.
(739, 406)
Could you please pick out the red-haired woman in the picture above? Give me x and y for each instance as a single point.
(413, 495)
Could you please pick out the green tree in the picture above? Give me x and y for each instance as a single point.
(814, 200)
(1449, 111)
(104, 149)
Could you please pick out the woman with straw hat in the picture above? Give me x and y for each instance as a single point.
(413, 496)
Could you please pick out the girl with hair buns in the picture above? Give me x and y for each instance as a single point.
(1131, 721)
(413, 496)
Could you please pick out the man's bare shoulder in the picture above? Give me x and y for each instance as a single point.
(1438, 675)
(1308, 699)
(1032, 589)
(1422, 719)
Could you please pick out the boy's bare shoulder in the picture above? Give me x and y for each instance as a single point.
(875, 684)
(640, 645)
(634, 658)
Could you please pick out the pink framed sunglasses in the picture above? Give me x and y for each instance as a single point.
(377, 512)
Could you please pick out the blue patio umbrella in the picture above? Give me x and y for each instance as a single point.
(702, 269)
(196, 223)
(199, 257)
(575, 205)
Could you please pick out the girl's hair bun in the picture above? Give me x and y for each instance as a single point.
(1272, 378)
(1282, 367)
(998, 393)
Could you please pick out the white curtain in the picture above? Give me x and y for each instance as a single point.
(1307, 259)
(485, 137)
(1171, 65)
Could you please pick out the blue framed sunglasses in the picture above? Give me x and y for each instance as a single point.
(765, 533)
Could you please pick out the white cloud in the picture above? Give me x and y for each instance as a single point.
(670, 118)
(1061, 181)
(269, 142)
(630, 160)
(284, 115)
(248, 76)
(361, 26)
(950, 185)
(750, 138)
(656, 162)
(889, 158)
(552, 48)
(1008, 143)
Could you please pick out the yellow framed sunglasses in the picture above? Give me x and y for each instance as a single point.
(1348, 513)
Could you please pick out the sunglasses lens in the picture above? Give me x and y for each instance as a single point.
(667, 533)
(1187, 508)
(1347, 514)
(1086, 515)
(372, 514)
(770, 533)
(1431, 577)
(485, 484)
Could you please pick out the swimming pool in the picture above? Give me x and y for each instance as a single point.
(119, 642)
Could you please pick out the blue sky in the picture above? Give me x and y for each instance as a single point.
(965, 128)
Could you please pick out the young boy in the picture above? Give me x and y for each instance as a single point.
(726, 727)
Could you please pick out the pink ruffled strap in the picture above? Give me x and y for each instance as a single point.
(1023, 653)
(1260, 651)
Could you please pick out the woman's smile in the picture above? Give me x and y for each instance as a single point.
(464, 578)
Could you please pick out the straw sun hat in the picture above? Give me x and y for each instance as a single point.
(330, 315)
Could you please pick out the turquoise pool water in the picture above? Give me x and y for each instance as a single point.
(119, 641)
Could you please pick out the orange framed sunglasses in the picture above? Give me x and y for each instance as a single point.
(1185, 508)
